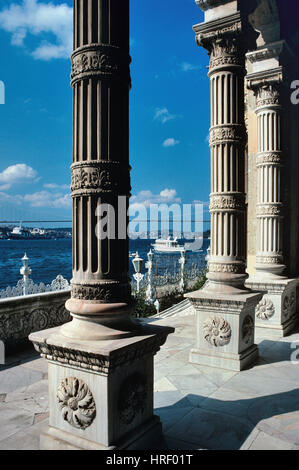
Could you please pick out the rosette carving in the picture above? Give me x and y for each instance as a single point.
(265, 309)
(217, 331)
(76, 403)
(132, 398)
(247, 329)
(289, 304)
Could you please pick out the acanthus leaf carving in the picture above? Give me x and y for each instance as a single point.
(268, 95)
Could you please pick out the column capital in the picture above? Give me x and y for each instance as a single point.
(226, 39)
(265, 78)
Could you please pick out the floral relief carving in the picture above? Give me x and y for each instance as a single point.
(102, 293)
(217, 331)
(226, 268)
(76, 403)
(289, 305)
(265, 309)
(16, 325)
(269, 210)
(286, 307)
(132, 398)
(276, 259)
(227, 203)
(220, 134)
(91, 178)
(247, 329)
(274, 158)
(94, 62)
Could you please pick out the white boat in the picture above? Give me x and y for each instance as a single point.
(20, 233)
(168, 245)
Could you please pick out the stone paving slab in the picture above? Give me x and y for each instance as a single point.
(200, 407)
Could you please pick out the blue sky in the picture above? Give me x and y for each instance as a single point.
(169, 113)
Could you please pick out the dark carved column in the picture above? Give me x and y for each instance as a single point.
(226, 40)
(101, 392)
(100, 172)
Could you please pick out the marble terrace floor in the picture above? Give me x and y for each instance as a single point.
(200, 407)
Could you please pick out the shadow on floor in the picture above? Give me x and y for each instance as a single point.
(226, 425)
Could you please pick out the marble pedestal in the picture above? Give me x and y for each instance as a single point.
(276, 313)
(101, 392)
(224, 330)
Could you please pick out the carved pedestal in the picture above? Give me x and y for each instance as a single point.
(224, 330)
(101, 393)
(276, 313)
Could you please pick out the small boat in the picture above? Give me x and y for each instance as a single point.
(20, 233)
(168, 245)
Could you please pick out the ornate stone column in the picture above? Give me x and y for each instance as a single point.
(276, 311)
(269, 168)
(225, 307)
(100, 79)
(101, 363)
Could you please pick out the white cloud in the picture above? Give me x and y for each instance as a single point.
(40, 19)
(48, 199)
(163, 115)
(171, 142)
(56, 186)
(146, 198)
(8, 199)
(187, 67)
(19, 173)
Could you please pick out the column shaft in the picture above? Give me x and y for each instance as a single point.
(100, 172)
(269, 259)
(226, 48)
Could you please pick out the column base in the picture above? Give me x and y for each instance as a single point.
(101, 392)
(225, 330)
(235, 362)
(276, 313)
(147, 437)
